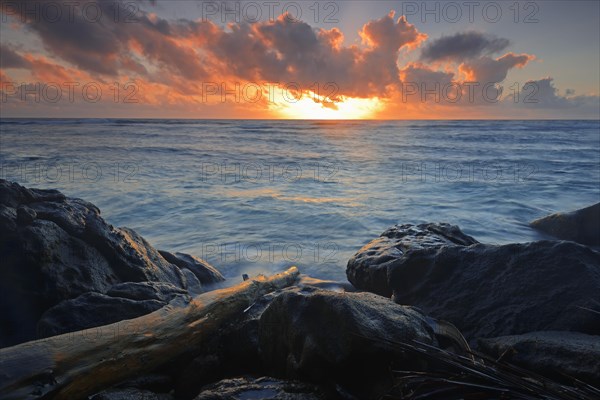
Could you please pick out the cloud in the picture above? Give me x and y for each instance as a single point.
(288, 51)
(103, 45)
(173, 59)
(10, 58)
(490, 70)
(283, 50)
(541, 93)
(462, 46)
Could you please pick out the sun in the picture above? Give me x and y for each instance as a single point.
(312, 106)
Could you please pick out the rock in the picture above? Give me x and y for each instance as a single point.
(206, 273)
(55, 248)
(130, 394)
(323, 336)
(334, 286)
(156, 383)
(192, 283)
(233, 352)
(264, 388)
(161, 291)
(554, 354)
(368, 268)
(581, 226)
(488, 290)
(25, 215)
(91, 310)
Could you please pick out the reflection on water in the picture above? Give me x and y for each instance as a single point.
(255, 196)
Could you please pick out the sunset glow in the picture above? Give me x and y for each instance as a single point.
(184, 60)
(312, 106)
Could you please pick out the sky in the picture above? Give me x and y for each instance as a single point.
(302, 59)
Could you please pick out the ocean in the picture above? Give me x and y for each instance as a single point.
(257, 196)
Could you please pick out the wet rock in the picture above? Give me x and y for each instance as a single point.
(25, 215)
(264, 388)
(122, 301)
(554, 354)
(156, 383)
(92, 310)
(130, 394)
(488, 290)
(206, 273)
(235, 351)
(192, 283)
(368, 268)
(582, 226)
(55, 248)
(321, 336)
(334, 286)
(161, 291)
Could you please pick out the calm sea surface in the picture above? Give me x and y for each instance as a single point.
(256, 196)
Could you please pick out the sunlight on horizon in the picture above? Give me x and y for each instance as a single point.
(313, 106)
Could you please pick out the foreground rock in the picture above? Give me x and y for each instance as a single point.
(235, 351)
(130, 394)
(55, 248)
(321, 336)
(123, 301)
(581, 226)
(264, 388)
(484, 290)
(488, 290)
(206, 273)
(554, 354)
(368, 268)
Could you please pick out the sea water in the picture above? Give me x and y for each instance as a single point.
(256, 196)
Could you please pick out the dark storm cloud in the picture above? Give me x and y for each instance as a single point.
(100, 41)
(462, 46)
(9, 58)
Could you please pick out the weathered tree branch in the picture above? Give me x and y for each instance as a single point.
(75, 365)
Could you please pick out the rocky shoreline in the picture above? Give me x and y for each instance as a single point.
(415, 291)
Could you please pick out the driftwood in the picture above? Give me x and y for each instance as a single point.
(76, 365)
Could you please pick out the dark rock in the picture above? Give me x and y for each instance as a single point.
(233, 352)
(163, 292)
(92, 310)
(55, 248)
(334, 286)
(153, 382)
(122, 301)
(25, 215)
(582, 226)
(554, 354)
(192, 283)
(206, 273)
(130, 394)
(321, 336)
(488, 290)
(368, 268)
(264, 388)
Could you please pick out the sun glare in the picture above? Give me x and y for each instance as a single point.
(312, 106)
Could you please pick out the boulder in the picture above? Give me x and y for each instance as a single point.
(581, 226)
(122, 301)
(234, 352)
(323, 336)
(489, 290)
(156, 383)
(554, 354)
(368, 268)
(55, 248)
(485, 290)
(206, 273)
(264, 388)
(130, 394)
